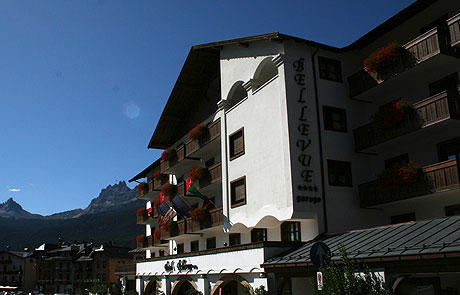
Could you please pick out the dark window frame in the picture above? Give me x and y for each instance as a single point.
(449, 210)
(400, 160)
(332, 166)
(233, 202)
(324, 63)
(328, 120)
(256, 236)
(197, 243)
(180, 248)
(401, 218)
(291, 231)
(234, 239)
(232, 155)
(214, 240)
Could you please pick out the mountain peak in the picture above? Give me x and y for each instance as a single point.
(12, 209)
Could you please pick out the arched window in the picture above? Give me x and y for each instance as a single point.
(264, 72)
(236, 93)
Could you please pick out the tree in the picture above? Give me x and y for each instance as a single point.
(350, 278)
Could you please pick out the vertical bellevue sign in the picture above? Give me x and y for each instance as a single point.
(306, 189)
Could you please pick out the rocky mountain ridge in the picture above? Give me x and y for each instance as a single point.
(110, 198)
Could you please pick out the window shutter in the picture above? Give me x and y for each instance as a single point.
(239, 192)
(238, 145)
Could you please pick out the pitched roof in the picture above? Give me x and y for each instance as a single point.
(418, 238)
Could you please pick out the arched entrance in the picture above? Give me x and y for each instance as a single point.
(184, 287)
(151, 287)
(232, 285)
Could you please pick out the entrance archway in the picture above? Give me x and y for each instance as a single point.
(231, 285)
(151, 287)
(184, 287)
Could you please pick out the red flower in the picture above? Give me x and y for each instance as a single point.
(141, 212)
(394, 178)
(381, 59)
(141, 238)
(169, 189)
(157, 175)
(169, 154)
(141, 186)
(156, 203)
(198, 173)
(197, 133)
(391, 115)
(157, 234)
(199, 214)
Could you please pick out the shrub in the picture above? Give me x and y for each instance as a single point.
(200, 214)
(169, 189)
(169, 154)
(383, 58)
(391, 115)
(394, 178)
(141, 238)
(141, 186)
(198, 173)
(141, 212)
(157, 234)
(157, 175)
(199, 132)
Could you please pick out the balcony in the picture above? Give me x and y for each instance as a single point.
(207, 146)
(145, 219)
(425, 59)
(440, 177)
(153, 243)
(149, 192)
(181, 164)
(454, 30)
(433, 112)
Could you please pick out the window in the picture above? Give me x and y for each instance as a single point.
(180, 248)
(330, 69)
(397, 162)
(258, 235)
(339, 173)
(195, 246)
(98, 263)
(103, 264)
(211, 243)
(103, 277)
(161, 253)
(290, 232)
(236, 141)
(402, 218)
(238, 191)
(335, 119)
(449, 150)
(234, 239)
(453, 210)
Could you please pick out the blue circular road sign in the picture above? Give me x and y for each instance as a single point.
(320, 254)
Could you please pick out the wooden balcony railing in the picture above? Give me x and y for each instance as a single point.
(429, 111)
(149, 191)
(216, 219)
(128, 268)
(420, 49)
(194, 145)
(454, 29)
(215, 175)
(431, 179)
(158, 183)
(180, 150)
(152, 242)
(143, 244)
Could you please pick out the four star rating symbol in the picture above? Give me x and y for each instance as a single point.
(308, 188)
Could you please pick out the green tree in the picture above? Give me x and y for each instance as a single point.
(350, 278)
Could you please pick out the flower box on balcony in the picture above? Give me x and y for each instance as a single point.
(380, 62)
(393, 179)
(159, 179)
(199, 132)
(141, 241)
(169, 190)
(201, 217)
(142, 189)
(391, 115)
(142, 215)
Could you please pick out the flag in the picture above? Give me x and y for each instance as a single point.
(162, 197)
(181, 207)
(150, 211)
(188, 183)
(166, 213)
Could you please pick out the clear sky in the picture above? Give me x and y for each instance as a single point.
(83, 83)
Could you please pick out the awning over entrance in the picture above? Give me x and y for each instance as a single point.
(427, 239)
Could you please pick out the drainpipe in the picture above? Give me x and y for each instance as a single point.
(323, 191)
(223, 135)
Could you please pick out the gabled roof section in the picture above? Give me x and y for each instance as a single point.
(146, 171)
(417, 239)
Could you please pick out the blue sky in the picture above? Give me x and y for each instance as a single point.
(83, 83)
